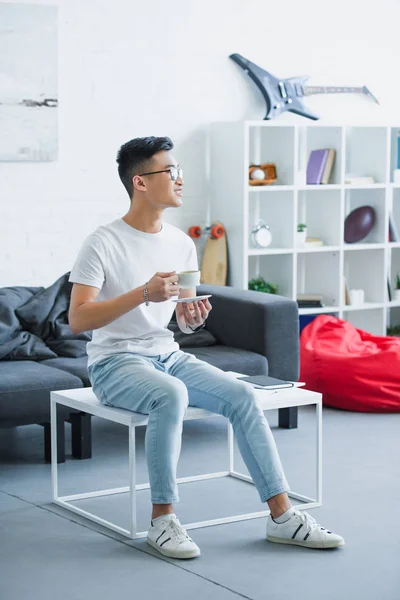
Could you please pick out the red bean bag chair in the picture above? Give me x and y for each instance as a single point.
(353, 369)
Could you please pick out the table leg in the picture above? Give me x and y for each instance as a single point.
(319, 451)
(81, 435)
(132, 480)
(288, 417)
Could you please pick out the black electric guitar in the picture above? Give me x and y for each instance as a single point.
(283, 95)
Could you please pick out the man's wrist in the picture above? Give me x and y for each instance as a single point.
(146, 294)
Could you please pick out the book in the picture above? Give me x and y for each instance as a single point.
(310, 304)
(313, 242)
(330, 161)
(393, 233)
(318, 297)
(266, 382)
(316, 165)
(356, 180)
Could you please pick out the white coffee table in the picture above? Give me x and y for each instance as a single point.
(83, 399)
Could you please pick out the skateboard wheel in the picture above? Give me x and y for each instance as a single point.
(195, 231)
(217, 231)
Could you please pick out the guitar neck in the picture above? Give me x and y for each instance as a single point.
(309, 90)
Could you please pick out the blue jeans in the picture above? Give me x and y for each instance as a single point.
(162, 387)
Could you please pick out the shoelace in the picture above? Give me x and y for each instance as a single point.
(176, 531)
(309, 522)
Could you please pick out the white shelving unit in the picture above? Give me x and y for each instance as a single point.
(365, 150)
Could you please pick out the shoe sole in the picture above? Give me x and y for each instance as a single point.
(172, 554)
(313, 545)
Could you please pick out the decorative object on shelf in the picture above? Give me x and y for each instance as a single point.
(393, 233)
(351, 179)
(264, 174)
(257, 174)
(396, 292)
(261, 235)
(214, 262)
(29, 88)
(283, 95)
(309, 300)
(357, 297)
(301, 234)
(358, 224)
(260, 285)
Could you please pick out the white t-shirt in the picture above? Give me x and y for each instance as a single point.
(116, 258)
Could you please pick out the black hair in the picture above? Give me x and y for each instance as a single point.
(134, 157)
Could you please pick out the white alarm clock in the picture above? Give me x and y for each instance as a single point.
(261, 235)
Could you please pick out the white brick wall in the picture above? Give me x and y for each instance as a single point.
(128, 69)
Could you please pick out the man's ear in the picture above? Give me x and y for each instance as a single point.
(138, 183)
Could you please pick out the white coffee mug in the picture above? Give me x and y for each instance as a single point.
(188, 279)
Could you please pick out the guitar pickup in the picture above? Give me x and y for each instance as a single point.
(282, 89)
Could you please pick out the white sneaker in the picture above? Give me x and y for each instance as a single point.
(171, 539)
(302, 530)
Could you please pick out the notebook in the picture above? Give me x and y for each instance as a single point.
(266, 382)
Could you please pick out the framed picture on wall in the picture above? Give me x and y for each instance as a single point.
(28, 82)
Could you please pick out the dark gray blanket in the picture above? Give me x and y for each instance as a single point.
(34, 324)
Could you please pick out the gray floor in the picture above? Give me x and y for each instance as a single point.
(46, 552)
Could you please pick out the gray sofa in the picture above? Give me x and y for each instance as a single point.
(249, 332)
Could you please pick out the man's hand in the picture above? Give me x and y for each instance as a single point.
(196, 312)
(163, 286)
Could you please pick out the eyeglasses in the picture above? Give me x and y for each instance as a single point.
(174, 173)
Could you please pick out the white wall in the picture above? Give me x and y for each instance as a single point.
(130, 69)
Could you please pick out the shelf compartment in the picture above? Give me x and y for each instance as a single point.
(321, 212)
(367, 152)
(366, 320)
(277, 211)
(274, 145)
(355, 198)
(316, 138)
(319, 273)
(366, 270)
(274, 268)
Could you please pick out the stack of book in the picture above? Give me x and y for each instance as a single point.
(320, 165)
(312, 242)
(309, 300)
(359, 180)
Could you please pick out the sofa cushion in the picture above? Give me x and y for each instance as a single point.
(232, 359)
(25, 391)
(46, 316)
(16, 344)
(75, 366)
(198, 339)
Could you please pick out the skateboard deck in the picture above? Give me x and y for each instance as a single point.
(214, 263)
